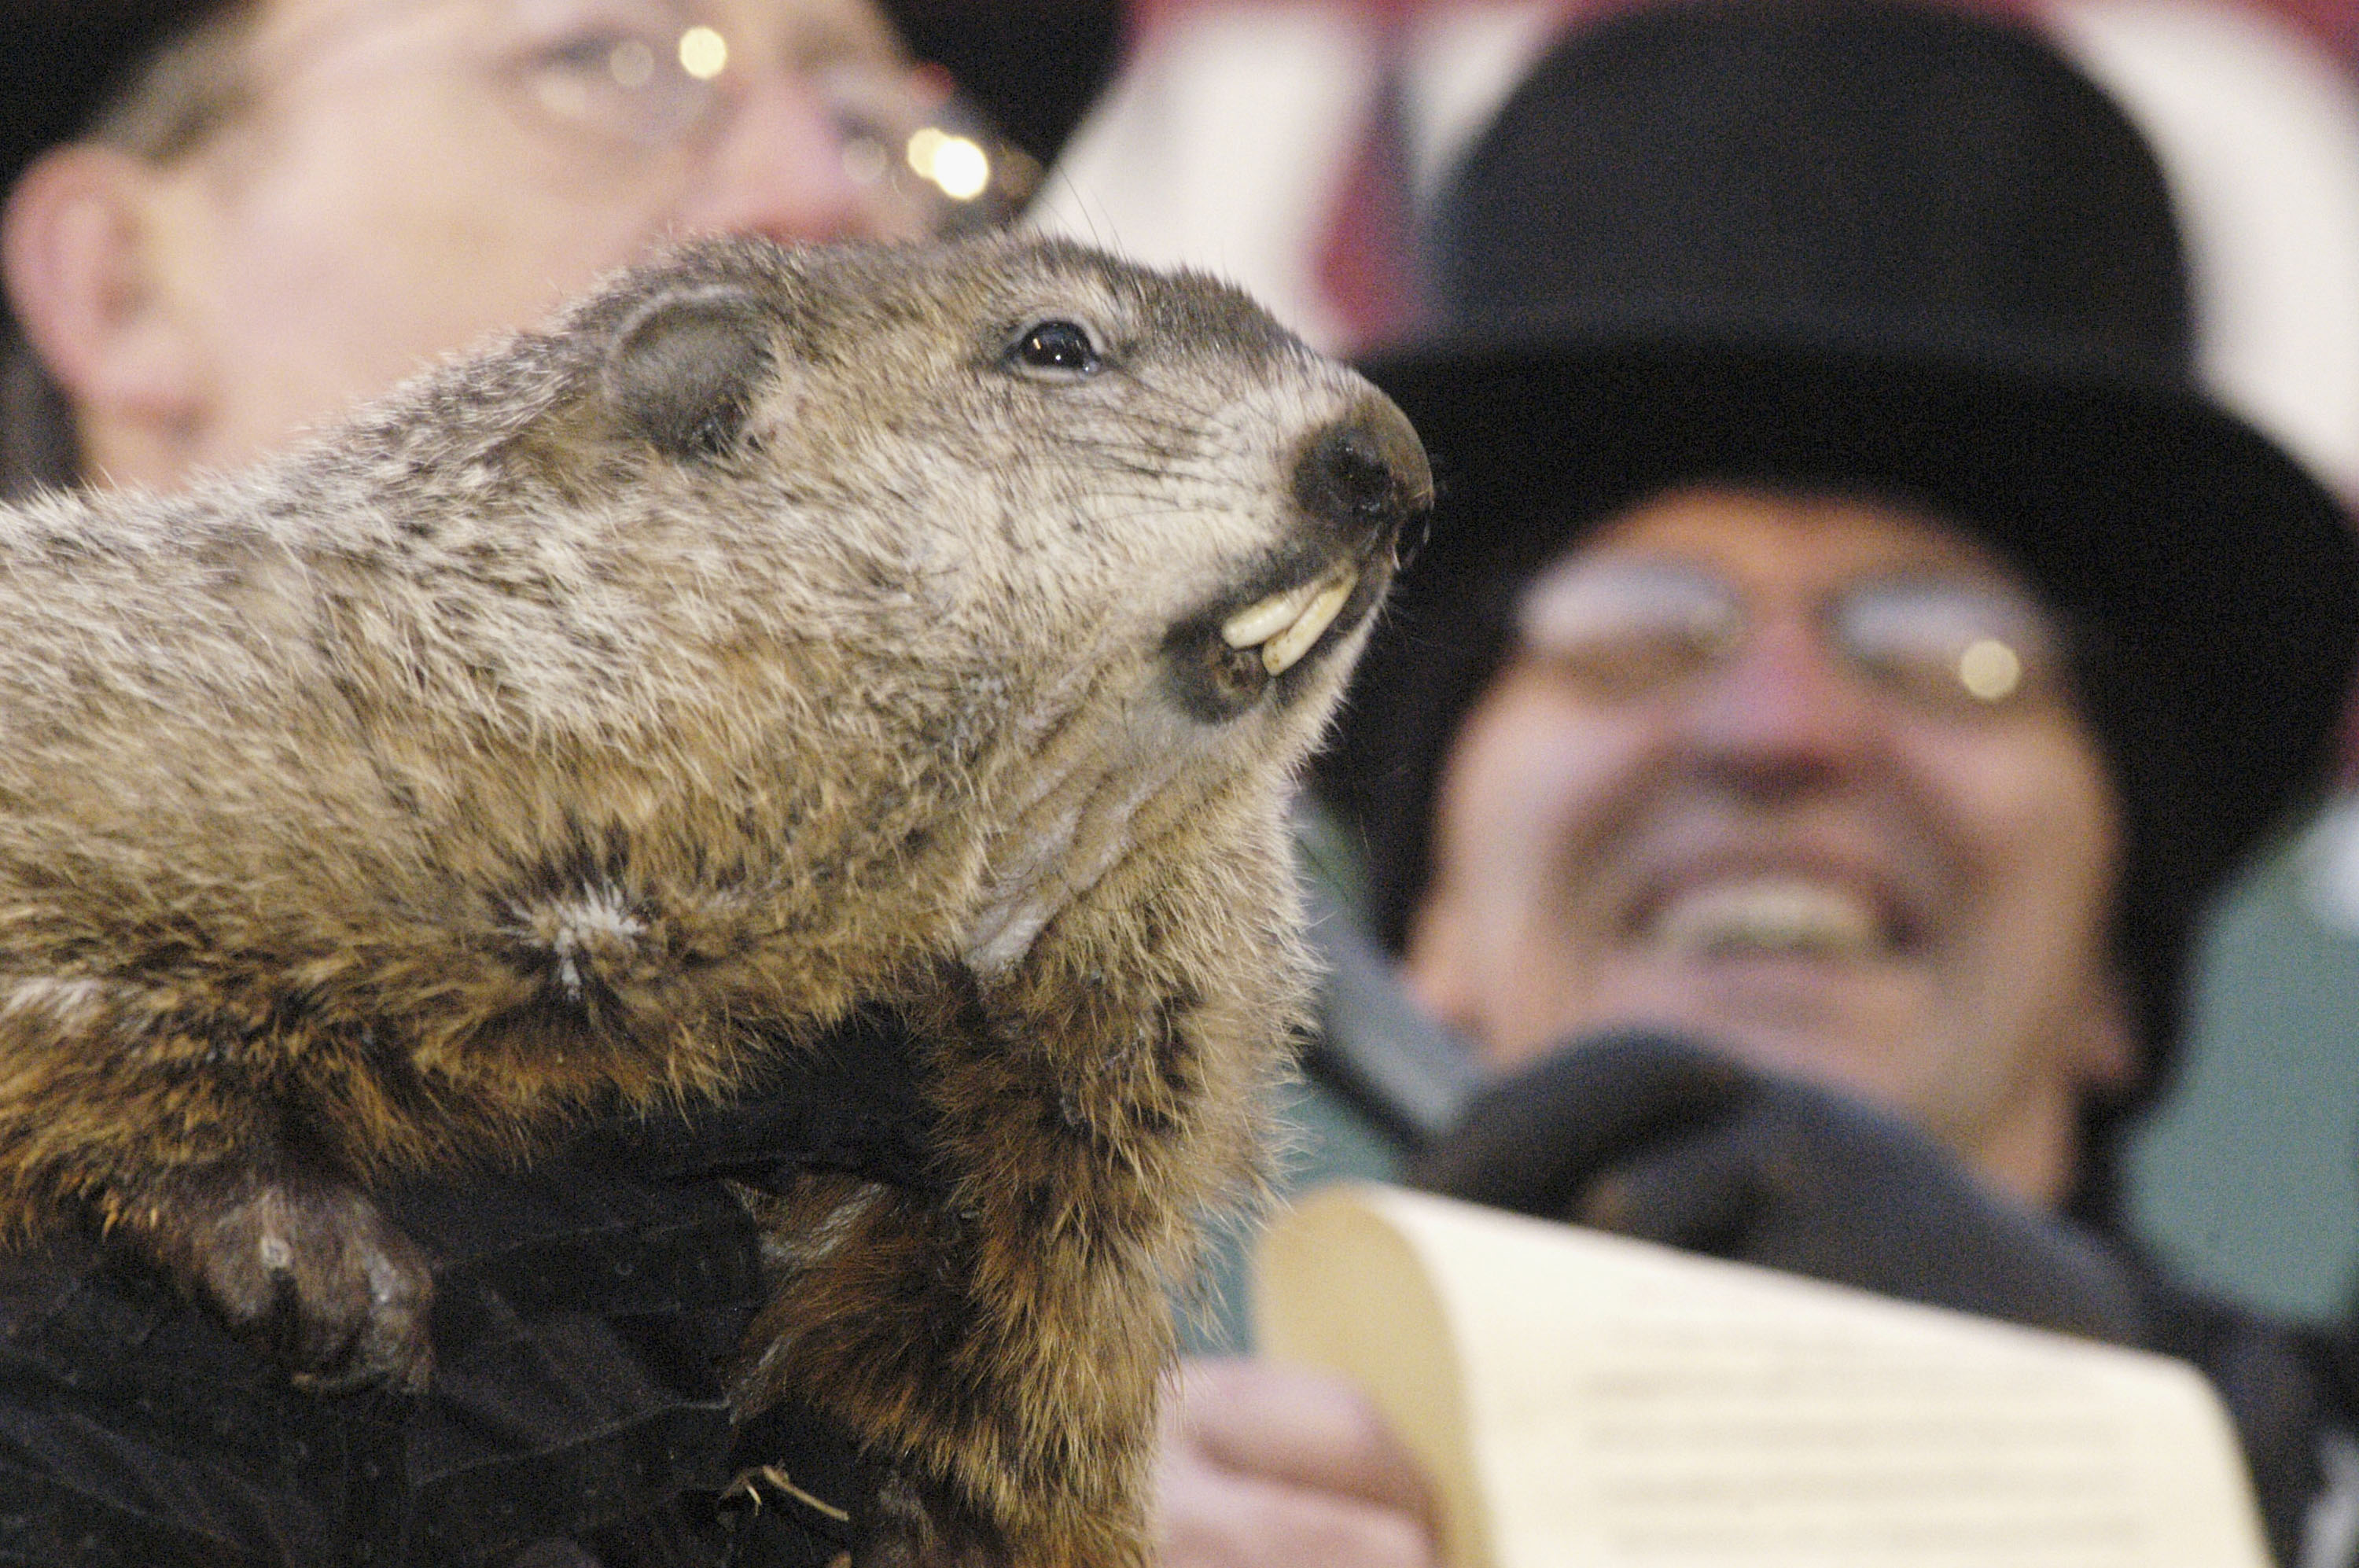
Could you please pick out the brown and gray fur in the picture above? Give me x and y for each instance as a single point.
(766, 638)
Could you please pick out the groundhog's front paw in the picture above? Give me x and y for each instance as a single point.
(308, 1269)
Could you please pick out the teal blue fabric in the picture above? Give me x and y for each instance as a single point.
(1327, 1140)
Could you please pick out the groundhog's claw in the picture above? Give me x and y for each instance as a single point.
(313, 1270)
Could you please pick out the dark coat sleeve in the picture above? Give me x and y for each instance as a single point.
(584, 1311)
(578, 1327)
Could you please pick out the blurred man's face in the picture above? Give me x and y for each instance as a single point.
(1799, 774)
(411, 174)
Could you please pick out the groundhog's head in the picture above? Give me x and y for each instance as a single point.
(1109, 535)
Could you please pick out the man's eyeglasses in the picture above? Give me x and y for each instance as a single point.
(648, 76)
(633, 75)
(1629, 629)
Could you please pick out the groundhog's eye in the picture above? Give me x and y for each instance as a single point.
(1060, 347)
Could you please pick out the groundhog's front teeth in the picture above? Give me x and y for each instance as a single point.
(1286, 623)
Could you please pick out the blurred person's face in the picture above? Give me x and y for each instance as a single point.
(1799, 774)
(405, 176)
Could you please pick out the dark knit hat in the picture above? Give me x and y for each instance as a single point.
(1867, 247)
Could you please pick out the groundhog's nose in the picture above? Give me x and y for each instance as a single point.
(1357, 480)
(1365, 475)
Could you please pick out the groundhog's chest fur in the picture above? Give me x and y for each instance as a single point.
(591, 723)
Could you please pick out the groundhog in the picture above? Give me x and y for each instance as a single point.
(587, 723)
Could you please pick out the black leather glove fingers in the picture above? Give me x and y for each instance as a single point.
(1537, 1141)
(1662, 1139)
(1699, 1189)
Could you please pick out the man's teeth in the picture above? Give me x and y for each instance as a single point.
(1769, 916)
(1286, 623)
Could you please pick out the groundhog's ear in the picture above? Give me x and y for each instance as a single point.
(685, 369)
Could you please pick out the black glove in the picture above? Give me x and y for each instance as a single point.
(1663, 1139)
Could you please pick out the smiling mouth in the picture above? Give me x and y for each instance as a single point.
(1772, 916)
(1286, 624)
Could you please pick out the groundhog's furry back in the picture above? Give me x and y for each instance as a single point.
(777, 634)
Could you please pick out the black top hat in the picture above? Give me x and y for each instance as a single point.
(1872, 248)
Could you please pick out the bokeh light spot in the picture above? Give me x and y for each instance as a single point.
(1990, 670)
(703, 53)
